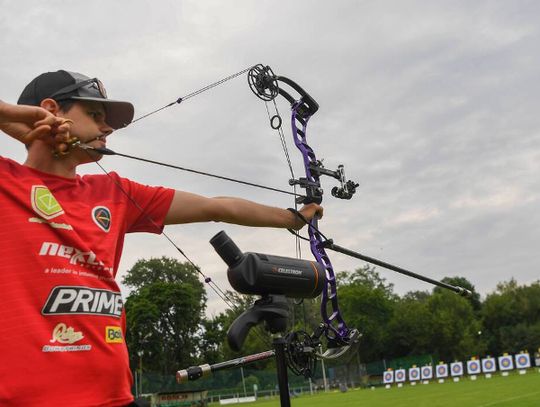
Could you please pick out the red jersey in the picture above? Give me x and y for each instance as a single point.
(62, 322)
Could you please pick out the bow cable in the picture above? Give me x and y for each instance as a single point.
(190, 95)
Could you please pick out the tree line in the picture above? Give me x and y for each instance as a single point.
(167, 327)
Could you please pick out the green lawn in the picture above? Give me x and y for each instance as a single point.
(514, 390)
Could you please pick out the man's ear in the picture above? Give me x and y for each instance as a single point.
(50, 105)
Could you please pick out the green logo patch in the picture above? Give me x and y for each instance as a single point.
(44, 202)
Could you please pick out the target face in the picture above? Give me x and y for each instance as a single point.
(505, 363)
(388, 377)
(442, 371)
(400, 375)
(473, 367)
(457, 369)
(414, 373)
(427, 373)
(523, 361)
(488, 365)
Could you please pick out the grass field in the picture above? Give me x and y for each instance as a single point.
(514, 390)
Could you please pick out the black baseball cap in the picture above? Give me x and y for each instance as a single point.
(65, 85)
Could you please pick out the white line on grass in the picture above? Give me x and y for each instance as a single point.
(509, 399)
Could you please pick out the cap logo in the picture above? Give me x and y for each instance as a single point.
(101, 216)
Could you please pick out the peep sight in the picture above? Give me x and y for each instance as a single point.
(263, 274)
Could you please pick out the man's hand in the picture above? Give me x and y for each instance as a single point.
(28, 123)
(309, 212)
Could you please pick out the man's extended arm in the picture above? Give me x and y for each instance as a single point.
(187, 207)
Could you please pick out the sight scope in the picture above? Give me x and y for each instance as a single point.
(263, 274)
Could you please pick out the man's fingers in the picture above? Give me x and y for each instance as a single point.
(49, 121)
(38, 132)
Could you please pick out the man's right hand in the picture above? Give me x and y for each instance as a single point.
(28, 123)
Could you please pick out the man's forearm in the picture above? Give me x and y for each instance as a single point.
(243, 212)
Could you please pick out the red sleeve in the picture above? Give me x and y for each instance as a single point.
(147, 206)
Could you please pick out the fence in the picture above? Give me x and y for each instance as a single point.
(244, 382)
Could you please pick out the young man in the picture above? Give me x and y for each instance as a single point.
(62, 237)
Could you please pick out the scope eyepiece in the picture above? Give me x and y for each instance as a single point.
(226, 248)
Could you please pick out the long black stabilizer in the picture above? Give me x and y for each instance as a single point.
(329, 244)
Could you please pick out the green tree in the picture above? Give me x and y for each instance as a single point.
(511, 318)
(164, 314)
(367, 302)
(474, 299)
(456, 331)
(441, 323)
(410, 328)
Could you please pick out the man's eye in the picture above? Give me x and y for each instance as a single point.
(95, 115)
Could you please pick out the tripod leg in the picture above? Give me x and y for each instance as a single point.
(281, 363)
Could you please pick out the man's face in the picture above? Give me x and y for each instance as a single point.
(89, 122)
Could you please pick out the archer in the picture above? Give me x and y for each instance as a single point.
(63, 237)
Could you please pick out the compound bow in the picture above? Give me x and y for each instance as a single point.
(301, 347)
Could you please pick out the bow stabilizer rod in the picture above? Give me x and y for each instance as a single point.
(329, 244)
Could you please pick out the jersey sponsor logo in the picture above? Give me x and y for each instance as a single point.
(68, 348)
(75, 256)
(64, 334)
(44, 203)
(101, 216)
(54, 225)
(67, 300)
(113, 334)
(65, 337)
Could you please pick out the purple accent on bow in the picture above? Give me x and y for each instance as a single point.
(334, 321)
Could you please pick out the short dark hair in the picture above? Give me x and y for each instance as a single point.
(65, 105)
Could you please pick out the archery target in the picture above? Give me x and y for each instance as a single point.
(523, 361)
(488, 365)
(388, 376)
(473, 367)
(441, 370)
(506, 362)
(456, 369)
(400, 375)
(414, 374)
(427, 372)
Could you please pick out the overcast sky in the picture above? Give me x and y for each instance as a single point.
(432, 106)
